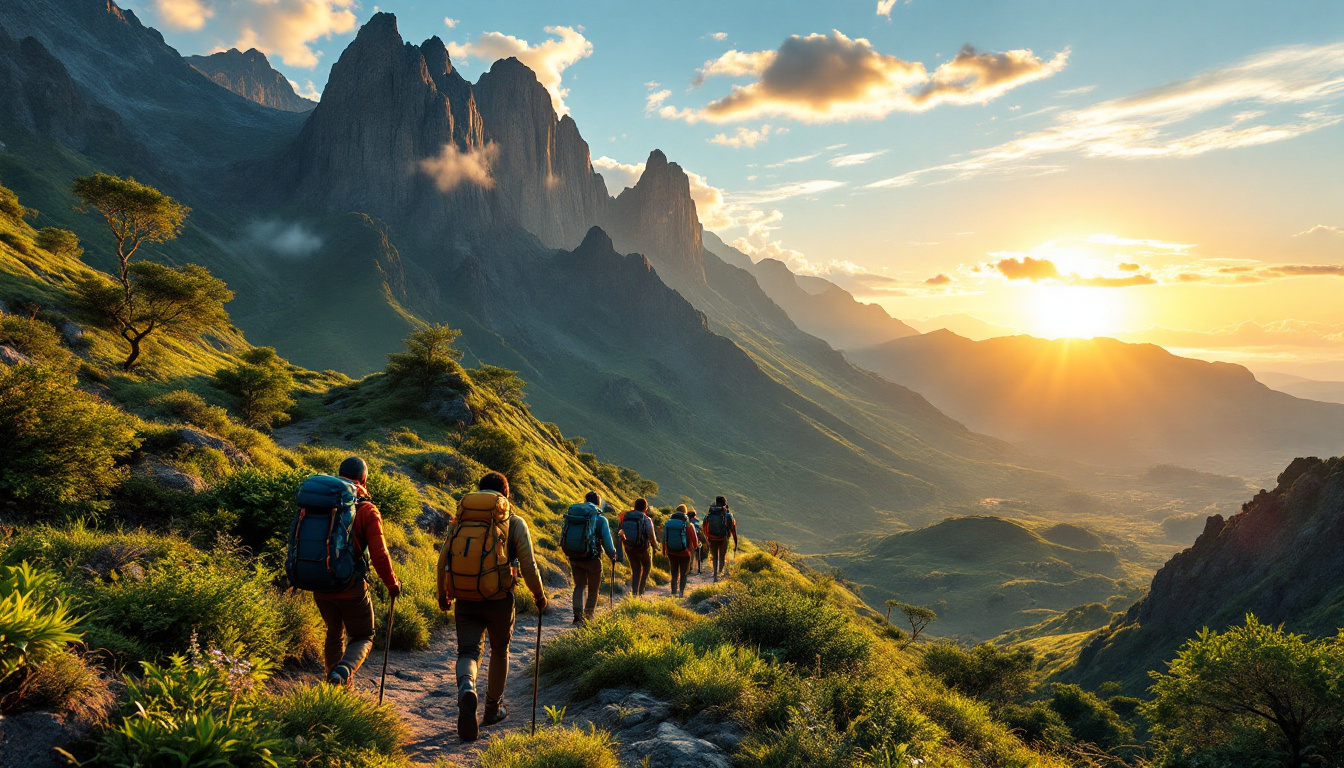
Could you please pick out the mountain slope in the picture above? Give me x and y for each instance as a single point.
(251, 76)
(828, 311)
(1281, 558)
(1106, 401)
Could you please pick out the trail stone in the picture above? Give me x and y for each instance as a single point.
(431, 520)
(72, 333)
(199, 439)
(453, 411)
(712, 604)
(672, 747)
(725, 735)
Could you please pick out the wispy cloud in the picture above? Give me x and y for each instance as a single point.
(1326, 230)
(825, 78)
(790, 189)
(746, 137)
(793, 160)
(1292, 89)
(857, 158)
(884, 7)
(548, 59)
(452, 168)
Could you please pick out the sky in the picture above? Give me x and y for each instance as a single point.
(1156, 171)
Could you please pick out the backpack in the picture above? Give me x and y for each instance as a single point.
(474, 562)
(633, 530)
(674, 535)
(321, 555)
(578, 532)
(716, 522)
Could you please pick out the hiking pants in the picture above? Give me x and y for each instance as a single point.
(681, 568)
(349, 623)
(641, 562)
(474, 619)
(719, 550)
(587, 576)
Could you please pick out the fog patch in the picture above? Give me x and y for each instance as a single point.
(289, 239)
(453, 168)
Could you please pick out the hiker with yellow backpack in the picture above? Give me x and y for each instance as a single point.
(584, 535)
(638, 538)
(486, 549)
(719, 525)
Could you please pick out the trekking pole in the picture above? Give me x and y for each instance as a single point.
(387, 646)
(536, 675)
(611, 603)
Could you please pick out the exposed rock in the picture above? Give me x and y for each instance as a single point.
(454, 410)
(633, 709)
(72, 333)
(251, 76)
(12, 356)
(714, 603)
(671, 747)
(657, 217)
(431, 520)
(172, 478)
(198, 439)
(722, 733)
(30, 739)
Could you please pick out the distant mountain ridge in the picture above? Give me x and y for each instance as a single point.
(1109, 402)
(250, 75)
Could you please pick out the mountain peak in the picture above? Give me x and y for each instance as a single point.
(597, 240)
(251, 76)
(656, 160)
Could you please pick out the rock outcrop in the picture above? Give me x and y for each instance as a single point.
(826, 310)
(250, 75)
(657, 217)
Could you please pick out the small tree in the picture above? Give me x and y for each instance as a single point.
(429, 359)
(156, 299)
(891, 604)
(919, 618)
(261, 383)
(10, 206)
(502, 381)
(58, 444)
(135, 214)
(61, 242)
(1253, 689)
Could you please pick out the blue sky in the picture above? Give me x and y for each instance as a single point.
(1176, 164)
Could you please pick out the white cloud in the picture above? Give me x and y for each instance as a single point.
(884, 7)
(183, 14)
(291, 240)
(452, 167)
(790, 189)
(798, 159)
(451, 23)
(548, 59)
(745, 137)
(616, 174)
(824, 78)
(1293, 89)
(858, 158)
(283, 28)
(307, 91)
(719, 35)
(1322, 229)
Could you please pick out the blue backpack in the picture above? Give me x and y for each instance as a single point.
(674, 535)
(633, 531)
(578, 532)
(322, 555)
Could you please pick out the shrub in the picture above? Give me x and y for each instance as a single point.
(35, 624)
(333, 726)
(430, 360)
(191, 408)
(397, 499)
(984, 672)
(34, 338)
(61, 242)
(1036, 723)
(804, 629)
(10, 206)
(64, 682)
(1088, 717)
(261, 384)
(263, 502)
(562, 747)
(58, 444)
(496, 449)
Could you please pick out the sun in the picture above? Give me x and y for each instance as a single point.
(1073, 312)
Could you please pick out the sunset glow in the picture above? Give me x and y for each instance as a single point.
(1075, 312)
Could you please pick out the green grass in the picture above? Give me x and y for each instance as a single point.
(334, 726)
(555, 747)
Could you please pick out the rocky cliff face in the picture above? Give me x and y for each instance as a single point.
(828, 312)
(1281, 558)
(657, 217)
(251, 76)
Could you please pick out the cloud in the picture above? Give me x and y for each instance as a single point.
(283, 28)
(1045, 270)
(711, 205)
(1286, 333)
(291, 240)
(858, 158)
(1128, 266)
(790, 189)
(1322, 229)
(884, 7)
(745, 137)
(1113, 282)
(942, 278)
(719, 35)
(451, 23)
(548, 59)
(1079, 91)
(1292, 89)
(618, 175)
(183, 14)
(823, 78)
(307, 91)
(1027, 268)
(452, 167)
(792, 160)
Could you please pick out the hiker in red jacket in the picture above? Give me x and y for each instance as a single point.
(348, 614)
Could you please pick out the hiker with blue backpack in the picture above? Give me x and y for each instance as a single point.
(679, 543)
(719, 526)
(638, 539)
(486, 551)
(337, 523)
(584, 535)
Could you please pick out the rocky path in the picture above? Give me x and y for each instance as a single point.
(422, 686)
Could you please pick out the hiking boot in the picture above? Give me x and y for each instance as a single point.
(495, 712)
(467, 729)
(339, 675)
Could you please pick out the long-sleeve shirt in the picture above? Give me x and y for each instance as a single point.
(604, 535)
(732, 527)
(368, 536)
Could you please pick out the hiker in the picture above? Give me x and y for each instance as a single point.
(679, 543)
(344, 605)
(700, 550)
(584, 535)
(719, 525)
(638, 538)
(486, 548)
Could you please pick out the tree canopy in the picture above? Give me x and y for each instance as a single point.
(261, 383)
(429, 359)
(135, 213)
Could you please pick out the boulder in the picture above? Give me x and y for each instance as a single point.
(12, 356)
(431, 520)
(452, 410)
(671, 747)
(711, 604)
(634, 709)
(724, 734)
(198, 439)
(172, 478)
(72, 333)
(30, 739)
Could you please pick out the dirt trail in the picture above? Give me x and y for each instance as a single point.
(422, 686)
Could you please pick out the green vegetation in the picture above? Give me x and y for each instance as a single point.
(261, 384)
(556, 747)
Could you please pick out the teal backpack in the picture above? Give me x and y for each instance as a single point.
(716, 522)
(578, 532)
(322, 555)
(674, 535)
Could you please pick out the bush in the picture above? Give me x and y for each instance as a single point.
(560, 747)
(261, 384)
(1088, 717)
(1036, 724)
(804, 629)
(429, 362)
(263, 503)
(397, 499)
(68, 683)
(333, 726)
(35, 624)
(58, 444)
(34, 338)
(61, 242)
(984, 672)
(190, 408)
(496, 449)
(10, 206)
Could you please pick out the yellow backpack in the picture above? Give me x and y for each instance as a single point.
(474, 562)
